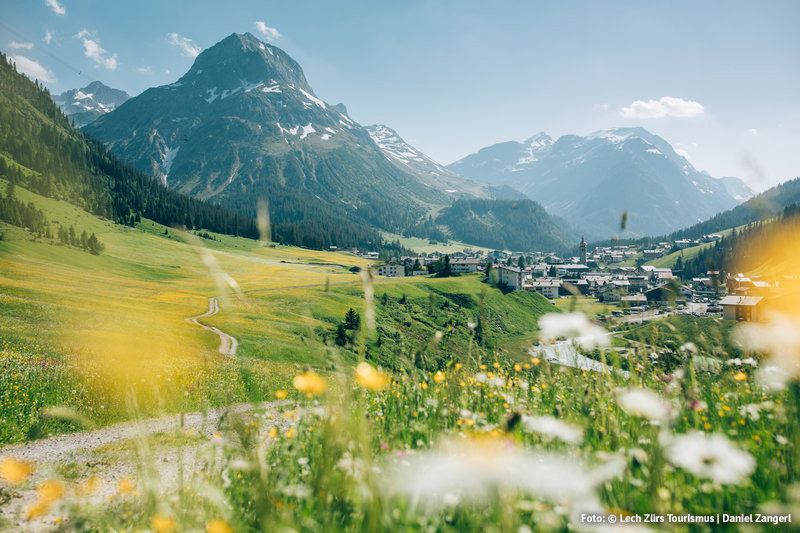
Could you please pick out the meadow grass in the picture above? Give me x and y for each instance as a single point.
(76, 328)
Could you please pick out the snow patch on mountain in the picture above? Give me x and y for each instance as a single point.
(313, 98)
(166, 162)
(212, 95)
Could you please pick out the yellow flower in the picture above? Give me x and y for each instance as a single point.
(438, 377)
(89, 487)
(50, 491)
(281, 394)
(535, 360)
(218, 526)
(457, 367)
(496, 364)
(162, 524)
(518, 367)
(38, 508)
(273, 433)
(423, 385)
(291, 433)
(126, 485)
(47, 493)
(310, 383)
(741, 376)
(14, 471)
(370, 378)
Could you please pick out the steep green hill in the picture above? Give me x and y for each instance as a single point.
(766, 205)
(507, 225)
(64, 163)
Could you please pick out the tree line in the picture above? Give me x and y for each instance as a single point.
(17, 213)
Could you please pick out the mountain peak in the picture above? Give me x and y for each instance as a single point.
(87, 103)
(243, 57)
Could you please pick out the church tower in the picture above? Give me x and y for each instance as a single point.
(583, 250)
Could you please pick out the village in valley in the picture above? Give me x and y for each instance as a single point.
(618, 276)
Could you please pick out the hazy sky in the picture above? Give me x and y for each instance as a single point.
(719, 80)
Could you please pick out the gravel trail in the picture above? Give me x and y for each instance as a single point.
(227, 343)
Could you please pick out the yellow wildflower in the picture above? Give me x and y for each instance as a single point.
(281, 394)
(310, 383)
(218, 526)
(162, 524)
(125, 485)
(14, 471)
(438, 377)
(370, 378)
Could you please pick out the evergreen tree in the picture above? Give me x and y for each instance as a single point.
(351, 319)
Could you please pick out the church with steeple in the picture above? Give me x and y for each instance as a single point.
(583, 251)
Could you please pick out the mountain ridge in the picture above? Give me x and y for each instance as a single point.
(84, 105)
(242, 124)
(592, 180)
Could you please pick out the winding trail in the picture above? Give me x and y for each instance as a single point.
(60, 447)
(227, 343)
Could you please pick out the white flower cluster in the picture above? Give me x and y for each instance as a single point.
(573, 326)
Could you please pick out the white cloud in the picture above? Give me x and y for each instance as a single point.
(666, 106)
(14, 45)
(148, 70)
(682, 153)
(57, 8)
(32, 68)
(48, 37)
(92, 50)
(753, 131)
(184, 43)
(269, 33)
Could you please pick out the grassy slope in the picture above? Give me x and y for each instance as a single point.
(118, 318)
(81, 330)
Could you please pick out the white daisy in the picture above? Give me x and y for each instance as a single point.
(573, 326)
(470, 471)
(644, 404)
(711, 457)
(780, 337)
(553, 428)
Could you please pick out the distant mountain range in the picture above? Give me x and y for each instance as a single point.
(591, 181)
(243, 124)
(86, 104)
(432, 173)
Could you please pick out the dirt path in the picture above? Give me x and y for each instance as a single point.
(227, 343)
(81, 450)
(58, 448)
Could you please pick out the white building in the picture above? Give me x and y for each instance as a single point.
(511, 277)
(547, 288)
(392, 270)
(463, 266)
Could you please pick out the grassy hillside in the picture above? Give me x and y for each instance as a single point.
(83, 331)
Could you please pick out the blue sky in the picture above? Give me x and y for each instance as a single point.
(719, 80)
